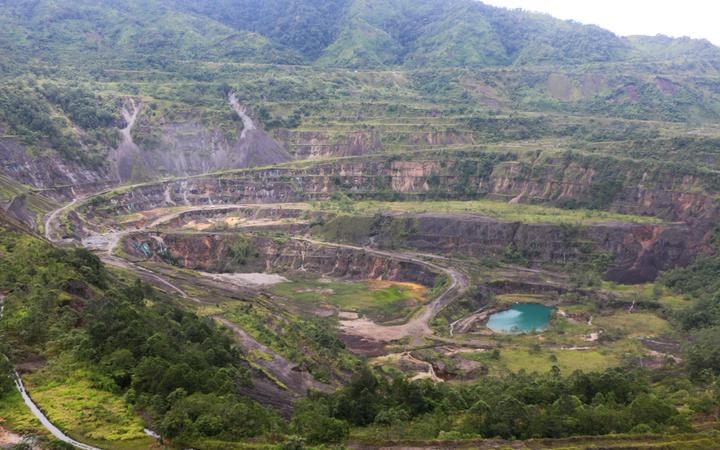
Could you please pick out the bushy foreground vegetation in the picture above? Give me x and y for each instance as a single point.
(701, 280)
(519, 406)
(180, 371)
(183, 373)
(487, 94)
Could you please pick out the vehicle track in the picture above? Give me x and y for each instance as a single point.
(417, 328)
(37, 412)
(105, 243)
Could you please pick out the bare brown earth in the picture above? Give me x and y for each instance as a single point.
(642, 250)
(297, 379)
(203, 204)
(8, 439)
(417, 328)
(329, 259)
(287, 381)
(360, 331)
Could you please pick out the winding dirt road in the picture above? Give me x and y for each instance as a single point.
(297, 381)
(418, 327)
(104, 244)
(51, 218)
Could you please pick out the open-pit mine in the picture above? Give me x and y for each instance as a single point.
(289, 224)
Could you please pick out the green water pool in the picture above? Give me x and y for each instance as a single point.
(521, 318)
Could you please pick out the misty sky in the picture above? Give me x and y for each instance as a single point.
(694, 18)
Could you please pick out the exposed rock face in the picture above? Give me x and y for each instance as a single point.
(669, 198)
(180, 147)
(10, 222)
(49, 173)
(190, 148)
(662, 194)
(639, 251)
(318, 144)
(19, 210)
(185, 146)
(444, 137)
(250, 213)
(230, 253)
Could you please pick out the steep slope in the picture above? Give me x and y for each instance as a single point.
(188, 147)
(341, 33)
(304, 26)
(62, 135)
(128, 32)
(667, 48)
(463, 33)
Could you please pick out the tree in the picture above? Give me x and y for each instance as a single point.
(318, 428)
(651, 410)
(508, 418)
(6, 382)
(703, 353)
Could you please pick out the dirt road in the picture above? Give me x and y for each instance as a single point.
(418, 326)
(52, 217)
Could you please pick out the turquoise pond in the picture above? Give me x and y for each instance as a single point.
(521, 318)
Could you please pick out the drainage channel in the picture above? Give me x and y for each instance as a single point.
(55, 431)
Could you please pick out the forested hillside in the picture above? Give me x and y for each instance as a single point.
(338, 33)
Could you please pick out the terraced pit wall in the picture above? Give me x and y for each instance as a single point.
(253, 253)
(639, 252)
(687, 202)
(598, 183)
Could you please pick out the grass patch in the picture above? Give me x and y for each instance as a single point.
(675, 302)
(213, 310)
(516, 359)
(380, 300)
(490, 208)
(511, 299)
(17, 417)
(85, 412)
(652, 292)
(634, 324)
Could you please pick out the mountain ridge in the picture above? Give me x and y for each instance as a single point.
(340, 33)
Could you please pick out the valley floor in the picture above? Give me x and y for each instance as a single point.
(433, 331)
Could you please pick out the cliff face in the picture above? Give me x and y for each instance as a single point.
(49, 173)
(639, 252)
(146, 150)
(319, 144)
(672, 197)
(190, 148)
(370, 140)
(250, 253)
